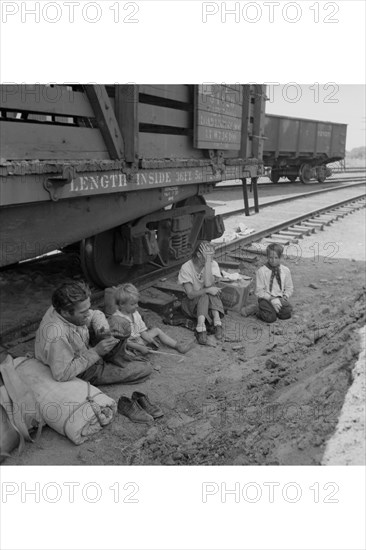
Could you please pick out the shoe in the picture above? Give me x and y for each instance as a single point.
(133, 411)
(202, 338)
(219, 333)
(154, 345)
(183, 348)
(144, 402)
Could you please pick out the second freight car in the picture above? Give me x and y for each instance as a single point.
(297, 147)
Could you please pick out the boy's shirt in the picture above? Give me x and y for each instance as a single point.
(64, 347)
(188, 274)
(263, 279)
(137, 324)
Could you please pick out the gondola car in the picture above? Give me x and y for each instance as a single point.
(297, 147)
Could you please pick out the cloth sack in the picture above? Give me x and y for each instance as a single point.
(9, 436)
(20, 413)
(74, 408)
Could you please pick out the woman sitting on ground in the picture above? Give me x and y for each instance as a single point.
(202, 300)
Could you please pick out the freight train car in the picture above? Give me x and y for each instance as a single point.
(296, 147)
(121, 169)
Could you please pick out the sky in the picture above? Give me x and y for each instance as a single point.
(345, 103)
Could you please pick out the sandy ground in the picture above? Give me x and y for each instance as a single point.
(347, 445)
(268, 394)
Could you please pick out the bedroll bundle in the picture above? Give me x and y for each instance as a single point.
(19, 413)
(75, 408)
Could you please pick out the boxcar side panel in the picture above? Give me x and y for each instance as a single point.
(324, 135)
(338, 141)
(287, 136)
(307, 137)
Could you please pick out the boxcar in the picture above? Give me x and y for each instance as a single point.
(300, 147)
(121, 169)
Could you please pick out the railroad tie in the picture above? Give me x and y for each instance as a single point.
(329, 219)
(346, 210)
(286, 233)
(315, 225)
(314, 220)
(278, 237)
(281, 240)
(337, 215)
(300, 230)
(306, 230)
(343, 212)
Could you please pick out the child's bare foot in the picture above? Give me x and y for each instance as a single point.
(183, 348)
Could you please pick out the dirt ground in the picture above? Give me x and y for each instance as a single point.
(267, 394)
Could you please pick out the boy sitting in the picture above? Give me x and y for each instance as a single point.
(202, 301)
(127, 298)
(274, 287)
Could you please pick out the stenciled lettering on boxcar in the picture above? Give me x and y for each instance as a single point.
(170, 193)
(218, 116)
(98, 183)
(115, 182)
(324, 133)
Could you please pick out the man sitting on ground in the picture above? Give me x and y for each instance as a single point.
(63, 341)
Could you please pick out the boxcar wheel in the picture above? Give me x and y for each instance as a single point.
(274, 177)
(97, 260)
(321, 173)
(292, 179)
(306, 173)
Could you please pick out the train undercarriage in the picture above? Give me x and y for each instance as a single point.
(305, 171)
(159, 239)
(114, 235)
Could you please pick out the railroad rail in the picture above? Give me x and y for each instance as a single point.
(286, 232)
(231, 186)
(294, 197)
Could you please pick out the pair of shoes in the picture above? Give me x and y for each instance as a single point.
(219, 333)
(144, 402)
(202, 338)
(183, 348)
(133, 411)
(139, 408)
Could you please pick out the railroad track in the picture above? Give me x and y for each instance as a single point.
(286, 232)
(294, 197)
(269, 184)
(292, 230)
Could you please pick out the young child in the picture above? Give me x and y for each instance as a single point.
(274, 287)
(127, 298)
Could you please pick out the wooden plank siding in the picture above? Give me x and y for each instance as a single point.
(106, 120)
(134, 122)
(167, 91)
(165, 122)
(28, 141)
(126, 109)
(154, 114)
(57, 100)
(163, 146)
